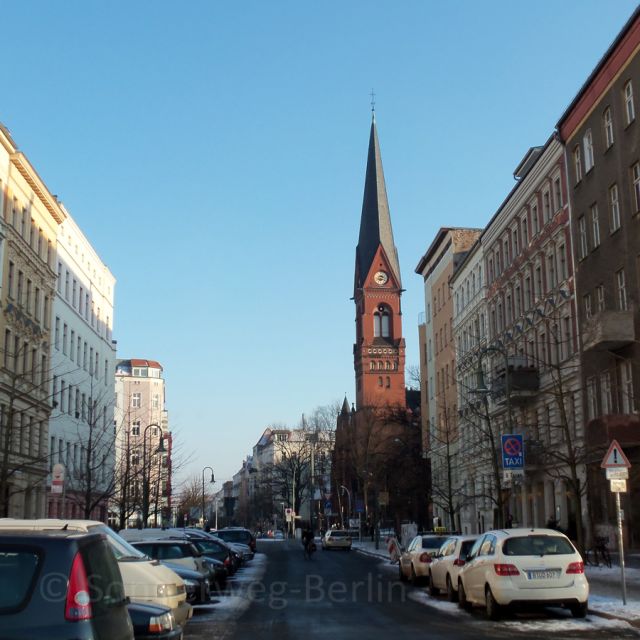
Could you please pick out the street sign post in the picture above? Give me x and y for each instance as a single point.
(617, 466)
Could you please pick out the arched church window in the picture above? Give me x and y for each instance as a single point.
(387, 365)
(382, 322)
(379, 381)
(388, 382)
(380, 365)
(372, 366)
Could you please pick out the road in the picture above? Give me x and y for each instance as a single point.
(341, 595)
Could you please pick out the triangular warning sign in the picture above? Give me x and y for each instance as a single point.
(615, 457)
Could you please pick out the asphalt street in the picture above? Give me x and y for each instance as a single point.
(341, 595)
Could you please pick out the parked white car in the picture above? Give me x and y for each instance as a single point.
(447, 564)
(516, 567)
(414, 562)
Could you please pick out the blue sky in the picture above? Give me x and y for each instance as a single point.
(214, 154)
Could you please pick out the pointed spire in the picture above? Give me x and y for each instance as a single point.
(345, 406)
(375, 221)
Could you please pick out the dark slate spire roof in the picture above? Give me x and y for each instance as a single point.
(375, 222)
(345, 406)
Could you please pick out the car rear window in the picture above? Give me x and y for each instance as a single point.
(209, 546)
(173, 551)
(537, 545)
(105, 582)
(340, 534)
(433, 542)
(19, 567)
(465, 547)
(234, 536)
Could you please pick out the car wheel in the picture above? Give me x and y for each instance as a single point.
(579, 610)
(463, 603)
(494, 610)
(433, 591)
(414, 577)
(452, 596)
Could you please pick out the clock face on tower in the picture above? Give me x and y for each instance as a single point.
(380, 277)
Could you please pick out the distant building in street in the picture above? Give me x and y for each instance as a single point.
(144, 451)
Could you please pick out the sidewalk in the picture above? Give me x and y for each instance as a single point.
(605, 597)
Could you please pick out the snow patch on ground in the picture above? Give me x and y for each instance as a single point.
(234, 600)
(615, 607)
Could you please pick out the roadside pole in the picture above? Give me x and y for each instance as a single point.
(621, 548)
(616, 465)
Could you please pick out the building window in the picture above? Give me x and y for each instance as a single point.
(65, 331)
(135, 429)
(607, 121)
(535, 222)
(629, 108)
(546, 206)
(56, 340)
(587, 306)
(577, 163)
(381, 323)
(36, 304)
(582, 237)
(551, 270)
(516, 252)
(587, 142)
(136, 400)
(600, 301)
(626, 387)
(525, 232)
(562, 253)
(20, 283)
(605, 393)
(614, 208)
(636, 185)
(379, 381)
(595, 226)
(592, 398)
(10, 279)
(622, 290)
(557, 194)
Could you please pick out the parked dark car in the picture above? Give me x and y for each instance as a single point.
(236, 534)
(197, 585)
(219, 550)
(153, 622)
(61, 585)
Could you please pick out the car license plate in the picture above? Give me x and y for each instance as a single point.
(544, 574)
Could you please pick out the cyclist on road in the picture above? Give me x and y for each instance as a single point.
(307, 542)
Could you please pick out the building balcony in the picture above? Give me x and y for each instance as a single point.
(608, 331)
(523, 382)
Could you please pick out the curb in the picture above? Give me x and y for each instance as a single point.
(634, 622)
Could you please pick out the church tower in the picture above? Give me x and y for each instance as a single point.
(379, 350)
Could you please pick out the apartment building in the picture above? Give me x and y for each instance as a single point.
(531, 361)
(83, 389)
(601, 133)
(29, 225)
(439, 422)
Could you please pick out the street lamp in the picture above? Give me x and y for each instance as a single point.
(349, 496)
(211, 481)
(145, 477)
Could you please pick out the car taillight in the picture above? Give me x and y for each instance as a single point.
(576, 567)
(425, 557)
(227, 561)
(458, 563)
(78, 605)
(506, 569)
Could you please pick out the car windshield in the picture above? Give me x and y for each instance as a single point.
(433, 542)
(537, 545)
